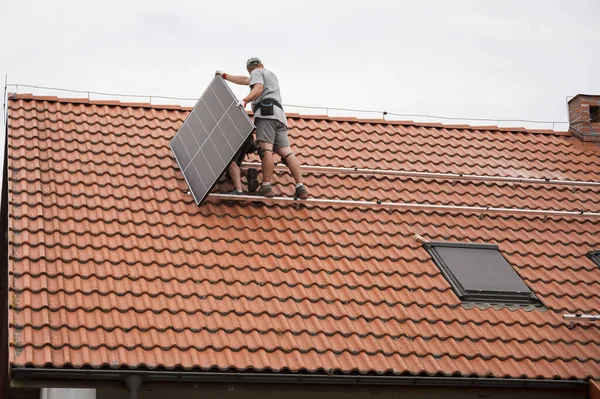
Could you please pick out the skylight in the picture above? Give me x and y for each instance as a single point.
(479, 273)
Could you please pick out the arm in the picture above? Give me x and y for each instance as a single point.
(256, 91)
(238, 80)
(256, 88)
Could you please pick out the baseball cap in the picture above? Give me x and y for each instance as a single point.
(252, 62)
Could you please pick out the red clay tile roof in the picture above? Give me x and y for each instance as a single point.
(113, 265)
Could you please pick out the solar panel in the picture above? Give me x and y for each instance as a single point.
(210, 136)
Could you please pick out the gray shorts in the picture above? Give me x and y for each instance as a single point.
(271, 131)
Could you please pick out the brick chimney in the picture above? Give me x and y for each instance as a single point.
(584, 117)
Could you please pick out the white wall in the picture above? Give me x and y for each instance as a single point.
(67, 393)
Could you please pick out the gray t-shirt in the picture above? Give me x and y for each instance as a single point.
(271, 90)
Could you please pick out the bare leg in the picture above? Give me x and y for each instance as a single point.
(292, 163)
(267, 161)
(236, 178)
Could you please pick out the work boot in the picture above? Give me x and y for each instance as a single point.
(266, 191)
(252, 179)
(301, 192)
(232, 192)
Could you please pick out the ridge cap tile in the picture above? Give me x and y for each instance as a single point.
(349, 119)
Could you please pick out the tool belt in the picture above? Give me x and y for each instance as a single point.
(266, 106)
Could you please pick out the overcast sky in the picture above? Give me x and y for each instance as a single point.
(478, 59)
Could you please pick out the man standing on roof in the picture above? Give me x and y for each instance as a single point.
(270, 122)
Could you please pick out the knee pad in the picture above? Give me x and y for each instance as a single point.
(261, 152)
(283, 159)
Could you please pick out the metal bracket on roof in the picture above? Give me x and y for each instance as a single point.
(580, 317)
(421, 239)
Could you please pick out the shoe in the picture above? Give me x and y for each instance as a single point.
(301, 192)
(252, 179)
(232, 192)
(266, 191)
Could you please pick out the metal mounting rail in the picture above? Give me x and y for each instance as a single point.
(586, 317)
(402, 205)
(430, 175)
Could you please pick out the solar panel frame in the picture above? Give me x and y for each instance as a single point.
(203, 145)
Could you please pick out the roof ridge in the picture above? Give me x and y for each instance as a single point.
(293, 115)
(84, 100)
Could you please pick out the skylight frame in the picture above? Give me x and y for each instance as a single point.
(479, 296)
(594, 256)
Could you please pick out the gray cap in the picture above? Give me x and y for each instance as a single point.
(252, 62)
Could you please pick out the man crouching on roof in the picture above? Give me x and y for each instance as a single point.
(271, 123)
